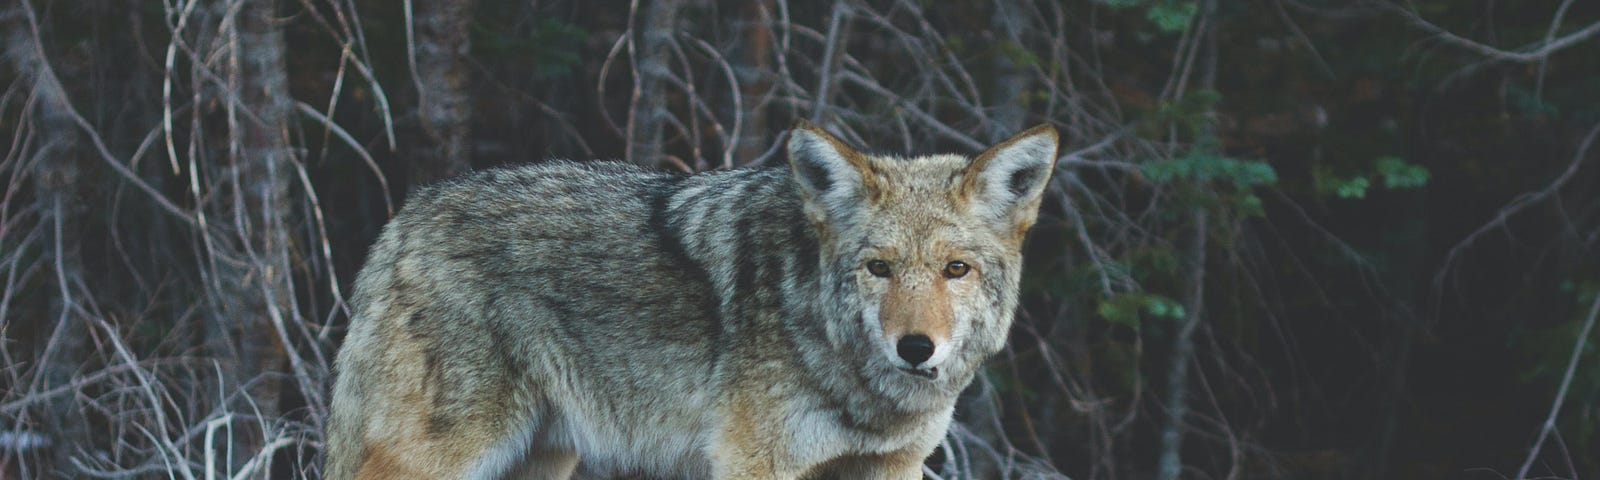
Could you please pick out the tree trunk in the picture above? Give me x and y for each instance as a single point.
(652, 33)
(253, 290)
(1170, 463)
(1011, 80)
(443, 43)
(754, 86)
(56, 166)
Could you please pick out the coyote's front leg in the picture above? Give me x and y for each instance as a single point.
(901, 465)
(750, 443)
(729, 467)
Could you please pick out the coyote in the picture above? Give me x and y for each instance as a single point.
(594, 320)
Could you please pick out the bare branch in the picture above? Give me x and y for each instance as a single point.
(1529, 54)
(1549, 424)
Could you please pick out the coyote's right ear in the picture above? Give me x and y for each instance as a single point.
(1005, 182)
(831, 176)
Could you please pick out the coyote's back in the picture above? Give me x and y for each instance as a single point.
(604, 320)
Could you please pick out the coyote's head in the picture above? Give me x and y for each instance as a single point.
(921, 256)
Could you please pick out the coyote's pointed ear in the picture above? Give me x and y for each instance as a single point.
(830, 175)
(1005, 182)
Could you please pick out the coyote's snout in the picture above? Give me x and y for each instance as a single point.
(917, 316)
(597, 319)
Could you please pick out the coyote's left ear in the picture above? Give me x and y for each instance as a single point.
(1005, 182)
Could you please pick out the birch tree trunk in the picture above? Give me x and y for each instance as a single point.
(443, 44)
(56, 170)
(653, 27)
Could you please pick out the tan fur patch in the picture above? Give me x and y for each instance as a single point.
(912, 308)
(380, 464)
(1019, 231)
(746, 449)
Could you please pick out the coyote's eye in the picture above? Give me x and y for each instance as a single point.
(878, 267)
(956, 269)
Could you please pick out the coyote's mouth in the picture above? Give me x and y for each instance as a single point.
(930, 373)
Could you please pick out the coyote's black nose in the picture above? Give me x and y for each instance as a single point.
(915, 349)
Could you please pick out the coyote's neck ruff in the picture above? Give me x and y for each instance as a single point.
(810, 322)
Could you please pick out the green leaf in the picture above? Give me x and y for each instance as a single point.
(1164, 307)
(1172, 16)
(1125, 309)
(1351, 188)
(1158, 308)
(1397, 174)
(1249, 205)
(1120, 310)
(1206, 167)
(1328, 182)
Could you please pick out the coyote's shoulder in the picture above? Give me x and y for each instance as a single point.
(608, 320)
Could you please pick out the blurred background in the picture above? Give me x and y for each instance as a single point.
(1308, 239)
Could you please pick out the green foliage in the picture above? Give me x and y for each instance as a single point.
(1397, 174)
(1153, 263)
(1526, 102)
(1352, 188)
(1172, 16)
(1249, 205)
(1392, 171)
(1346, 188)
(1168, 16)
(1204, 167)
(1127, 309)
(1195, 113)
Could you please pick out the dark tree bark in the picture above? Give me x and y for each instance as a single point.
(57, 166)
(263, 187)
(1011, 80)
(754, 87)
(1169, 464)
(443, 41)
(253, 291)
(654, 26)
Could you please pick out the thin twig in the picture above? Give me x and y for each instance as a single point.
(1549, 424)
(1527, 55)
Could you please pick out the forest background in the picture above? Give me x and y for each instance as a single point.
(1286, 238)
